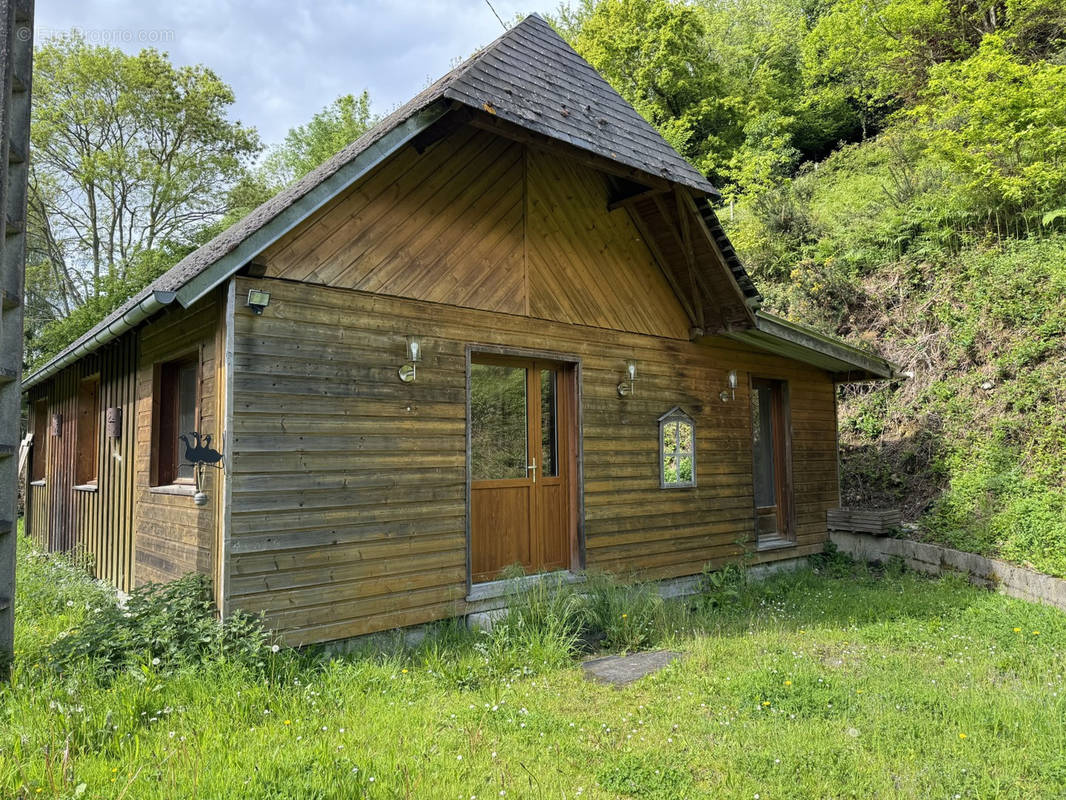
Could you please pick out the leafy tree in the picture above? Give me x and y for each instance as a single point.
(1037, 29)
(326, 133)
(305, 147)
(1001, 126)
(654, 53)
(760, 46)
(130, 155)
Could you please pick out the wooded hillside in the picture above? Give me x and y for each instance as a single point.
(895, 173)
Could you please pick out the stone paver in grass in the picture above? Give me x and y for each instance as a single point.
(623, 670)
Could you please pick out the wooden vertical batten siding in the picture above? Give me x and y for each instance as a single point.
(130, 534)
(96, 523)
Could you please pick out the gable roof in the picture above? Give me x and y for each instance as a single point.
(529, 77)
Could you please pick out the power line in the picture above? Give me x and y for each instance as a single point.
(493, 10)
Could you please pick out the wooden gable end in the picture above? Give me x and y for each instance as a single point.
(481, 221)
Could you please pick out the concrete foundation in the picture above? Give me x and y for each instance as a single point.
(933, 559)
(487, 603)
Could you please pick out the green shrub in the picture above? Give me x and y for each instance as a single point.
(169, 626)
(623, 616)
(832, 562)
(720, 587)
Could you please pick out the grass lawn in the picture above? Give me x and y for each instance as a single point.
(805, 686)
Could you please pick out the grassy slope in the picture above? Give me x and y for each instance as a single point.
(971, 447)
(807, 687)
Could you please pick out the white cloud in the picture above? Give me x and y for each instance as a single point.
(284, 62)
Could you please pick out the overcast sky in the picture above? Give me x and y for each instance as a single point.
(286, 60)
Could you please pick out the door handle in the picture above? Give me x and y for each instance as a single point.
(533, 467)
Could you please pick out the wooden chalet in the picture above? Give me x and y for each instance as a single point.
(502, 327)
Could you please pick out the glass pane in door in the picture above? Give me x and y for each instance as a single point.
(498, 423)
(763, 444)
(549, 433)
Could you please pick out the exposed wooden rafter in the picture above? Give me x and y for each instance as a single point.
(687, 303)
(454, 119)
(690, 255)
(700, 289)
(685, 201)
(634, 193)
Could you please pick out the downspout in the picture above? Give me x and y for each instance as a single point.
(135, 316)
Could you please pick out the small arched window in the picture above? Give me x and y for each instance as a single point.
(677, 450)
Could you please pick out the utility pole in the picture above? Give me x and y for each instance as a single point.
(16, 65)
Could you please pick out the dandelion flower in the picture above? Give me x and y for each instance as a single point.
(288, 722)
(962, 735)
(788, 683)
(275, 649)
(404, 671)
(1036, 633)
(624, 616)
(1017, 630)
(766, 702)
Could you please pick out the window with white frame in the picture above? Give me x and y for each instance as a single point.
(677, 450)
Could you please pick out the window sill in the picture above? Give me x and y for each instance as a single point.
(775, 544)
(85, 487)
(179, 489)
(38, 483)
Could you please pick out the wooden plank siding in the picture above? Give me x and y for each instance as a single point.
(482, 222)
(130, 533)
(349, 486)
(174, 536)
(96, 523)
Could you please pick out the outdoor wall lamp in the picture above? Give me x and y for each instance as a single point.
(626, 387)
(408, 371)
(732, 393)
(258, 300)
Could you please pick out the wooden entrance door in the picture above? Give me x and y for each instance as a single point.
(521, 417)
(772, 457)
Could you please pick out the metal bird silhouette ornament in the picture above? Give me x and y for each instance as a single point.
(200, 455)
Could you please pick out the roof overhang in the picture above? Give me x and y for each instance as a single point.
(240, 252)
(844, 362)
(98, 337)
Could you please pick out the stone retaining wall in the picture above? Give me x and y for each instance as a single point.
(935, 560)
